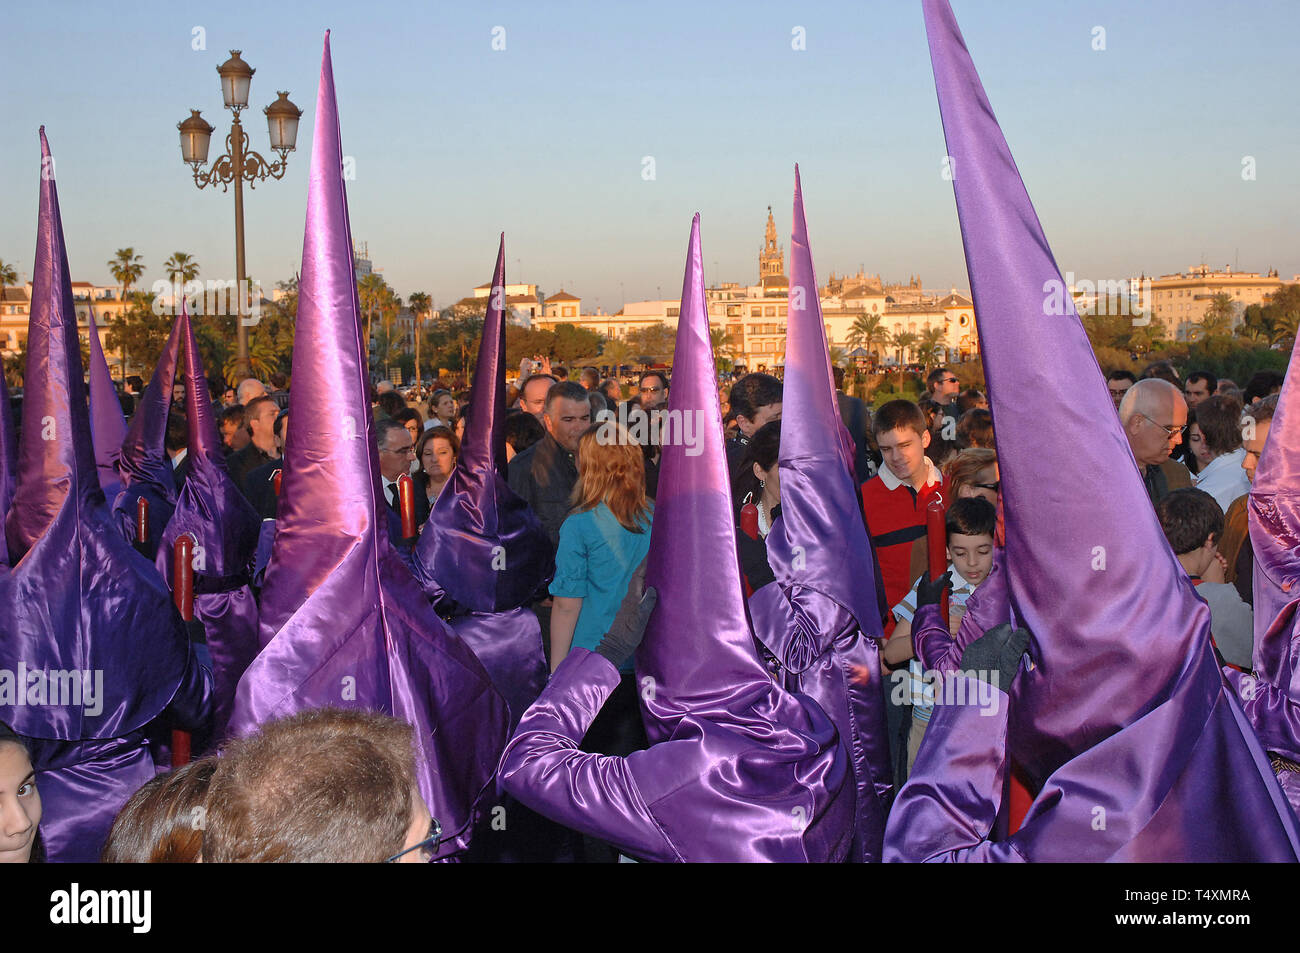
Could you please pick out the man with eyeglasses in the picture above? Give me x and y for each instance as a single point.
(396, 453)
(1118, 383)
(1154, 415)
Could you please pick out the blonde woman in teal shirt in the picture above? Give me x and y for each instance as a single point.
(602, 541)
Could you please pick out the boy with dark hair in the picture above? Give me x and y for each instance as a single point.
(970, 526)
(975, 429)
(1193, 524)
(894, 500)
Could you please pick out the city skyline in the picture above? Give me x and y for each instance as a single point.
(1147, 176)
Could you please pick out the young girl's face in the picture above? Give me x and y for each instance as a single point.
(20, 804)
(972, 555)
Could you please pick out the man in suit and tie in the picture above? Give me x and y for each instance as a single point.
(176, 443)
(396, 451)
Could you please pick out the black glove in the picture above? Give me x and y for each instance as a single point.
(628, 627)
(929, 593)
(997, 650)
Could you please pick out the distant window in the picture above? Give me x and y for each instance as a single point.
(755, 312)
(769, 311)
(674, 312)
(733, 310)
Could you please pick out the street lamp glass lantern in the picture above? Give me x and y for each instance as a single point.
(282, 123)
(235, 78)
(196, 135)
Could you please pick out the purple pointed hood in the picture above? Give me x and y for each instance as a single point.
(820, 533)
(699, 648)
(1124, 700)
(343, 621)
(209, 506)
(483, 545)
(107, 422)
(8, 463)
(78, 598)
(144, 456)
(55, 460)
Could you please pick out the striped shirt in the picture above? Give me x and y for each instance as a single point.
(922, 692)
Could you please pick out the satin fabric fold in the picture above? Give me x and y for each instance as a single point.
(483, 553)
(8, 465)
(80, 605)
(820, 617)
(343, 621)
(145, 467)
(738, 769)
(107, 422)
(1271, 696)
(1124, 708)
(225, 529)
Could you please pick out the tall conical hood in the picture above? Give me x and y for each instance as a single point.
(820, 540)
(698, 649)
(1124, 701)
(107, 422)
(55, 460)
(1274, 507)
(343, 621)
(8, 463)
(483, 545)
(1082, 566)
(209, 506)
(77, 599)
(144, 454)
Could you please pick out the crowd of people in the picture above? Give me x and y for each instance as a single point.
(595, 500)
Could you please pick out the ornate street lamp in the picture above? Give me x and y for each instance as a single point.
(239, 163)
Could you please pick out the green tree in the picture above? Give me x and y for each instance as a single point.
(126, 268)
(373, 292)
(930, 341)
(573, 342)
(420, 304)
(904, 342)
(8, 278)
(1218, 316)
(655, 342)
(868, 332)
(720, 344)
(614, 353)
(181, 268)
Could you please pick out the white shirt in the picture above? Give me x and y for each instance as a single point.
(176, 460)
(390, 496)
(1224, 479)
(932, 476)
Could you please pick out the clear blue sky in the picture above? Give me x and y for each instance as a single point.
(1132, 155)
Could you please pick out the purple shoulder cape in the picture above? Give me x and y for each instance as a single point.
(483, 553)
(738, 768)
(87, 620)
(820, 617)
(225, 527)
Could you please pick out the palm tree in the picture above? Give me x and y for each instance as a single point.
(420, 305)
(8, 277)
(868, 332)
(182, 268)
(1218, 317)
(720, 344)
(126, 270)
(929, 343)
(371, 290)
(905, 342)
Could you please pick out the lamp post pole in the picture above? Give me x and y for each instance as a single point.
(239, 164)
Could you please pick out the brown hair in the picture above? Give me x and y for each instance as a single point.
(163, 822)
(447, 434)
(897, 415)
(611, 471)
(1220, 421)
(327, 785)
(962, 469)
